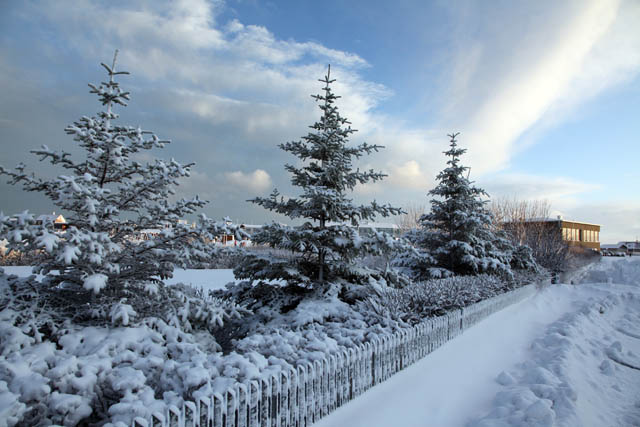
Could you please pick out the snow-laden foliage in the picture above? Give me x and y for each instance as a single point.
(435, 297)
(158, 350)
(123, 231)
(54, 372)
(458, 235)
(163, 347)
(292, 325)
(327, 242)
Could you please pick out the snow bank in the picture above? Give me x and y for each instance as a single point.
(584, 369)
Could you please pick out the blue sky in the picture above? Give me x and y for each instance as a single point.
(546, 94)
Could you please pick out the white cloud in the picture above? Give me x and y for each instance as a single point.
(533, 187)
(257, 181)
(409, 175)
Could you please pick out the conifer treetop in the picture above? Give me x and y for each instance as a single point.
(328, 173)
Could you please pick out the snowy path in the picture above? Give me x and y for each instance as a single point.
(544, 361)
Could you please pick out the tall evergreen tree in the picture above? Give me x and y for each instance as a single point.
(327, 243)
(458, 235)
(111, 201)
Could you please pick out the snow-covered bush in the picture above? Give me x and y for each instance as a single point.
(327, 243)
(158, 349)
(522, 258)
(124, 235)
(434, 297)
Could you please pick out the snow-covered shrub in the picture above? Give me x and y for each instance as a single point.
(522, 259)
(123, 234)
(327, 243)
(432, 297)
(158, 349)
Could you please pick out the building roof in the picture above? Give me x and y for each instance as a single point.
(630, 245)
(559, 219)
(379, 225)
(51, 218)
(619, 245)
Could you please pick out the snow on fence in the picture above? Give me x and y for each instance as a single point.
(300, 396)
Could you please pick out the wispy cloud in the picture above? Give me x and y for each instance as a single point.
(534, 69)
(534, 187)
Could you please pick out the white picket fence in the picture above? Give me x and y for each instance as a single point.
(303, 395)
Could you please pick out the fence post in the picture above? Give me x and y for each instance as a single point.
(333, 397)
(232, 406)
(302, 395)
(219, 410)
(175, 416)
(361, 369)
(284, 399)
(323, 366)
(275, 400)
(242, 405)
(294, 418)
(190, 414)
(205, 412)
(345, 376)
(265, 403)
(309, 391)
(254, 398)
(367, 362)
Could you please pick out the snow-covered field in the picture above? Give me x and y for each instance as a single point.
(568, 356)
(206, 279)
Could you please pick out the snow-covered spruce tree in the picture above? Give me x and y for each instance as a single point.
(124, 234)
(457, 236)
(327, 243)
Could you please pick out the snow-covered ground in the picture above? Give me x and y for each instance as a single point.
(206, 279)
(568, 356)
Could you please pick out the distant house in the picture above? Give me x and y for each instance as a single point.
(575, 233)
(386, 227)
(633, 248)
(625, 248)
(250, 228)
(59, 223)
(366, 228)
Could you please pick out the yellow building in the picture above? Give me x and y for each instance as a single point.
(581, 234)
